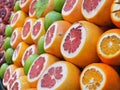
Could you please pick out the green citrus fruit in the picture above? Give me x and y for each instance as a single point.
(17, 6)
(58, 4)
(29, 62)
(6, 44)
(8, 55)
(8, 31)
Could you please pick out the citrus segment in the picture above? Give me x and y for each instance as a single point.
(8, 73)
(93, 10)
(20, 84)
(18, 19)
(38, 66)
(97, 76)
(108, 47)
(38, 29)
(71, 10)
(53, 37)
(16, 37)
(15, 75)
(32, 49)
(26, 30)
(61, 75)
(18, 53)
(78, 44)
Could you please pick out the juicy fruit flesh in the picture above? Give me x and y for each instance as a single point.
(37, 67)
(13, 36)
(7, 75)
(49, 35)
(16, 86)
(90, 5)
(110, 45)
(26, 29)
(14, 18)
(32, 7)
(36, 28)
(23, 1)
(16, 52)
(49, 79)
(69, 5)
(73, 39)
(92, 79)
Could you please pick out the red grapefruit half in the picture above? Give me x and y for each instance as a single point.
(79, 45)
(61, 75)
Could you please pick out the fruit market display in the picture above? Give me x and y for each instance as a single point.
(59, 45)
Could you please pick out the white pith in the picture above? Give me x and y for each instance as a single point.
(97, 69)
(53, 38)
(33, 51)
(116, 7)
(58, 82)
(68, 12)
(41, 22)
(93, 12)
(22, 5)
(17, 81)
(103, 37)
(44, 66)
(30, 8)
(83, 36)
(15, 54)
(29, 30)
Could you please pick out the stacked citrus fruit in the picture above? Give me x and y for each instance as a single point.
(63, 45)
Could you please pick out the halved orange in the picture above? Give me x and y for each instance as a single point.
(38, 29)
(115, 13)
(108, 47)
(79, 43)
(18, 53)
(53, 37)
(24, 5)
(15, 75)
(18, 19)
(20, 84)
(26, 30)
(99, 76)
(71, 10)
(16, 37)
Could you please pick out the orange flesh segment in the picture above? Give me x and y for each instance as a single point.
(92, 79)
(110, 45)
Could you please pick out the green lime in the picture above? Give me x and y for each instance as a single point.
(29, 62)
(8, 31)
(11, 16)
(40, 45)
(8, 55)
(52, 17)
(58, 4)
(6, 44)
(17, 6)
(3, 69)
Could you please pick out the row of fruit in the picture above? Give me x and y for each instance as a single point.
(62, 45)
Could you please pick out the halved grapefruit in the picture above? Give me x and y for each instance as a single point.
(11, 68)
(16, 37)
(61, 75)
(18, 53)
(15, 75)
(39, 65)
(98, 76)
(32, 12)
(53, 37)
(20, 84)
(71, 10)
(24, 5)
(18, 19)
(38, 29)
(79, 45)
(26, 30)
(32, 49)
(108, 47)
(93, 10)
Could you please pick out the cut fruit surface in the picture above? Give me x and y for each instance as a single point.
(97, 76)
(94, 9)
(71, 10)
(61, 75)
(18, 53)
(108, 47)
(78, 44)
(39, 65)
(53, 37)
